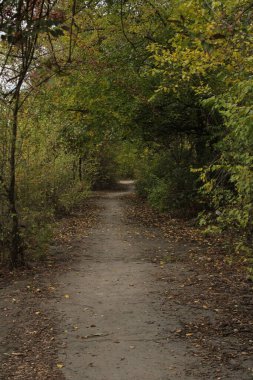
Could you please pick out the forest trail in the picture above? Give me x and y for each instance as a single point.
(114, 326)
(118, 298)
(114, 323)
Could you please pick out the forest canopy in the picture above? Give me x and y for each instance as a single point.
(93, 91)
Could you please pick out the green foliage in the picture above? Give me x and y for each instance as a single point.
(105, 176)
(135, 89)
(167, 182)
(127, 158)
(73, 197)
(229, 182)
(209, 55)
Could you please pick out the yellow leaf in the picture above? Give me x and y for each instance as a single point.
(66, 296)
(59, 365)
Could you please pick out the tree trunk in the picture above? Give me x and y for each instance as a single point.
(74, 170)
(16, 249)
(80, 168)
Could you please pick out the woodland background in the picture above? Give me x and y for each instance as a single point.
(92, 91)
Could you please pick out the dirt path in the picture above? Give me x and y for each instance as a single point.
(125, 300)
(115, 325)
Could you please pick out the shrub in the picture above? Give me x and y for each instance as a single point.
(168, 184)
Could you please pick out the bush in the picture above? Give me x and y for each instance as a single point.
(73, 197)
(168, 184)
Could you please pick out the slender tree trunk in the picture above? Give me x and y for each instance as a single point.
(200, 145)
(74, 170)
(16, 249)
(80, 169)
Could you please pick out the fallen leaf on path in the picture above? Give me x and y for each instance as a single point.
(93, 335)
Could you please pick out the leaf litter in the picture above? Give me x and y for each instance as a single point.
(200, 275)
(28, 334)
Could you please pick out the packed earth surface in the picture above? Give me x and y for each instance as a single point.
(137, 297)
